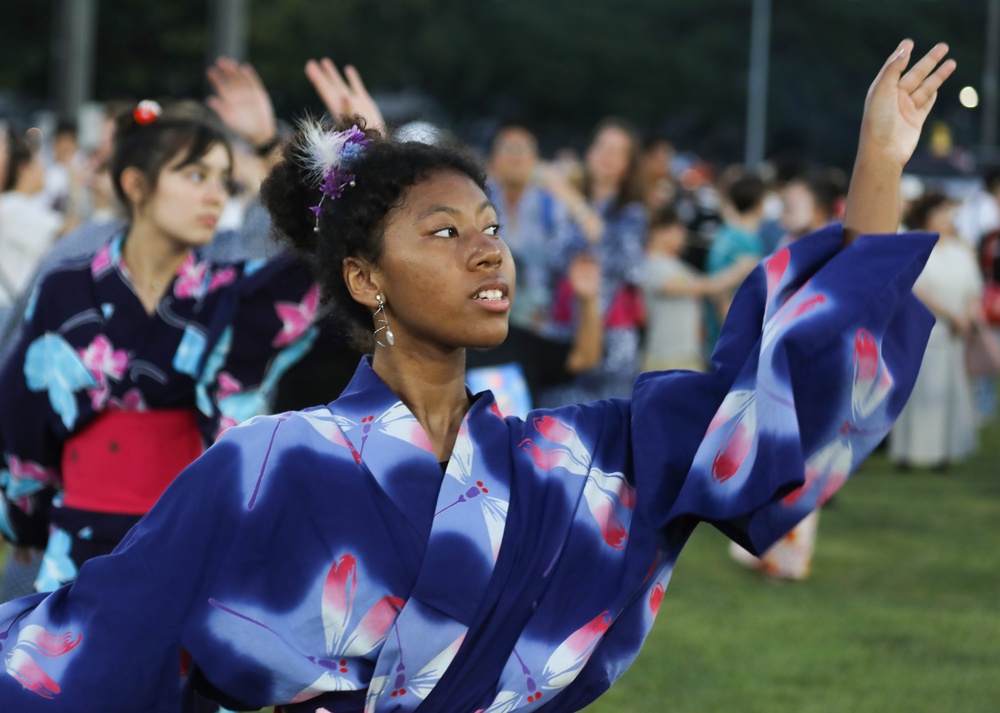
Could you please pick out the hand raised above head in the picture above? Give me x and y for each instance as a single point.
(344, 94)
(896, 108)
(898, 103)
(242, 101)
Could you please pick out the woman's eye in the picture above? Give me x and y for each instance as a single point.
(493, 230)
(196, 176)
(446, 233)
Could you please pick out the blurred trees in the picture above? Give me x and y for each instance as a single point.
(675, 67)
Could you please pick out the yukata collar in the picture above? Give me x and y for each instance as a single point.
(110, 257)
(382, 432)
(466, 534)
(366, 381)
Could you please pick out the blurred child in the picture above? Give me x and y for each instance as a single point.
(672, 290)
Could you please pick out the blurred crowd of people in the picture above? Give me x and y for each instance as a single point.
(627, 256)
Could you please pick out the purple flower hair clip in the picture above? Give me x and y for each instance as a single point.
(327, 155)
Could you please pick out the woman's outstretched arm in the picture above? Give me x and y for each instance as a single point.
(896, 108)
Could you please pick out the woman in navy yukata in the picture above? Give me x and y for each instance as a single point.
(133, 359)
(406, 547)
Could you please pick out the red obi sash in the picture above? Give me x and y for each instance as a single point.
(122, 462)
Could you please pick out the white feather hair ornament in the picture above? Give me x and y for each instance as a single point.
(325, 156)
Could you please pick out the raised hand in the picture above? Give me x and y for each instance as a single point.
(897, 104)
(241, 101)
(896, 108)
(343, 94)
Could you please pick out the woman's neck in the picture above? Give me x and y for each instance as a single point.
(152, 260)
(432, 386)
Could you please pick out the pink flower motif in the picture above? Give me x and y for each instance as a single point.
(221, 278)
(571, 656)
(29, 470)
(228, 385)
(131, 401)
(656, 598)
(190, 279)
(23, 667)
(548, 458)
(872, 380)
(775, 267)
(102, 358)
(827, 470)
(553, 429)
(99, 396)
(807, 306)
(296, 317)
(101, 261)
(738, 416)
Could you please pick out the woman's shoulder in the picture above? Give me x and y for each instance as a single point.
(301, 449)
(67, 283)
(270, 437)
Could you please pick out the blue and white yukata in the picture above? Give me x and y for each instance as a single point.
(321, 560)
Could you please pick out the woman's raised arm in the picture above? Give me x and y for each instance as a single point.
(896, 108)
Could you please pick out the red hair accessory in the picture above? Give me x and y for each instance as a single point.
(146, 112)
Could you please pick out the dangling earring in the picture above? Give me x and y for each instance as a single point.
(382, 324)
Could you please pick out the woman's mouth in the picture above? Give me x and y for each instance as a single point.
(492, 299)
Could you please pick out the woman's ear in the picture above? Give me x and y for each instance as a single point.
(134, 186)
(362, 281)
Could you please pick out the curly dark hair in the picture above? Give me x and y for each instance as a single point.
(353, 224)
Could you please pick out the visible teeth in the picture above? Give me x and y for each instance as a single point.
(490, 295)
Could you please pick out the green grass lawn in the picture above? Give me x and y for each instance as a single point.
(901, 613)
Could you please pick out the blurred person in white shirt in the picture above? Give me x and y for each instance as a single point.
(28, 225)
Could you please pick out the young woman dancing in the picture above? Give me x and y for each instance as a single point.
(405, 547)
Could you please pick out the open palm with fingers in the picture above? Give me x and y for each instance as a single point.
(898, 103)
(241, 100)
(343, 94)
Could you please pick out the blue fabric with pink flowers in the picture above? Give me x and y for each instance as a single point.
(89, 347)
(322, 561)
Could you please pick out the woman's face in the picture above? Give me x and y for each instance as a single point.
(446, 275)
(188, 199)
(608, 156)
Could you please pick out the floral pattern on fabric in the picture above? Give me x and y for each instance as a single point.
(527, 574)
(90, 348)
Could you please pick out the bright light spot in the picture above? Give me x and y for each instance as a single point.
(969, 97)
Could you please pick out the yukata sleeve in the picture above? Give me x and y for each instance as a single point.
(115, 638)
(268, 326)
(815, 361)
(42, 382)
